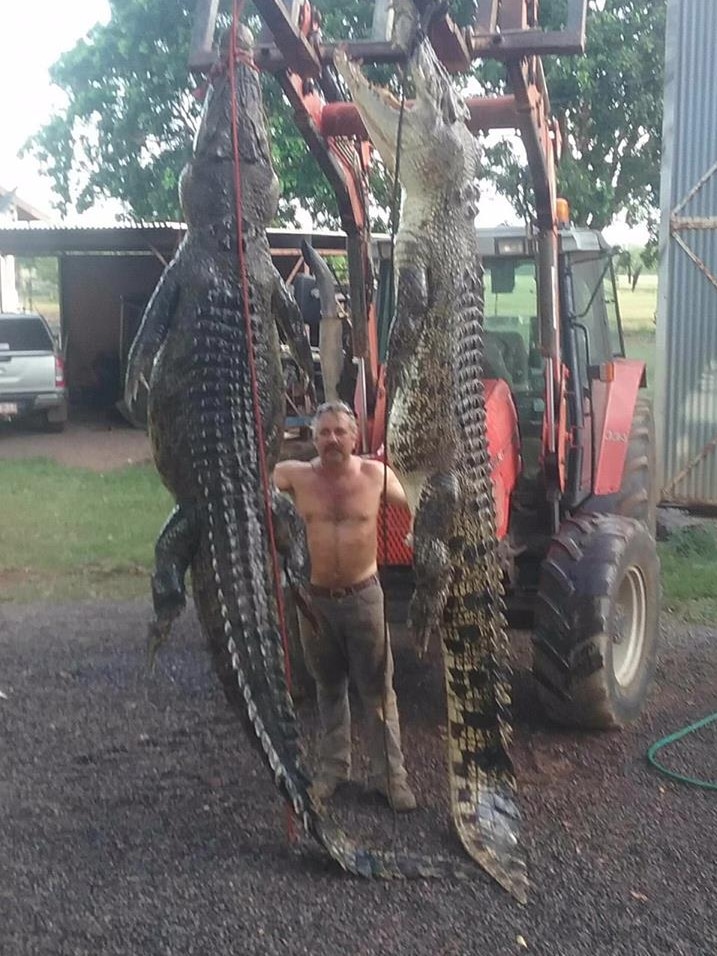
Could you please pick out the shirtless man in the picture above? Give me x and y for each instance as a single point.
(338, 495)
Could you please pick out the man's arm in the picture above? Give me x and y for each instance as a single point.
(284, 476)
(395, 495)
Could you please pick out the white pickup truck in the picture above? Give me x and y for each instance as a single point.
(32, 373)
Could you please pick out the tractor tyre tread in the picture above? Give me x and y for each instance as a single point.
(576, 607)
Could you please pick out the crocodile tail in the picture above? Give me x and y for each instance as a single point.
(292, 781)
(235, 597)
(476, 647)
(283, 757)
(276, 738)
(232, 579)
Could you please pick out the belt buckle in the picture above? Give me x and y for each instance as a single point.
(336, 593)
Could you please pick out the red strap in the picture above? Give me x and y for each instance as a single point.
(235, 56)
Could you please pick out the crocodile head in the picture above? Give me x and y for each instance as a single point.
(207, 184)
(437, 148)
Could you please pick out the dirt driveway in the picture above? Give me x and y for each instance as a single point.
(99, 442)
(137, 819)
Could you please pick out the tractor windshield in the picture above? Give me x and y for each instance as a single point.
(594, 308)
(511, 346)
(511, 324)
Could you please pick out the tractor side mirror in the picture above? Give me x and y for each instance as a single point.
(502, 276)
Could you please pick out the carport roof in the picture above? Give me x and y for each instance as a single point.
(153, 238)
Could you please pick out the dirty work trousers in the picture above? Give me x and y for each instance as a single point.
(350, 641)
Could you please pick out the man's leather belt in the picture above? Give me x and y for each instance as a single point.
(320, 591)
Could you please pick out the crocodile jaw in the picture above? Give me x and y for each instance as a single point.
(435, 148)
(378, 107)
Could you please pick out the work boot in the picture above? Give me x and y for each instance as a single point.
(324, 786)
(399, 796)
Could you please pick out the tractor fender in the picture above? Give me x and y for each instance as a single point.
(613, 407)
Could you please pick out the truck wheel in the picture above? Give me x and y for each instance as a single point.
(53, 428)
(597, 620)
(637, 497)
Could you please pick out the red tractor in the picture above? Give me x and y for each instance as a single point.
(571, 441)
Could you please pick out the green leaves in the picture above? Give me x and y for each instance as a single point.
(129, 120)
(127, 128)
(609, 105)
(609, 108)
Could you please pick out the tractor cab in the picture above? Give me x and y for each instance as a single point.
(590, 344)
(590, 338)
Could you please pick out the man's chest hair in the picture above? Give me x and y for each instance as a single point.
(345, 498)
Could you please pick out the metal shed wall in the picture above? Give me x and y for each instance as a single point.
(686, 381)
(93, 291)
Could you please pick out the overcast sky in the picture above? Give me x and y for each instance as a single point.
(34, 35)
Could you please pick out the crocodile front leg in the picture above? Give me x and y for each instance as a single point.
(173, 553)
(155, 326)
(290, 539)
(432, 559)
(411, 310)
(290, 320)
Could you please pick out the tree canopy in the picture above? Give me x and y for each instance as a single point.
(130, 117)
(609, 107)
(610, 104)
(131, 113)
(127, 128)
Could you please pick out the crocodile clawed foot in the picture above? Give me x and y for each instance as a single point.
(158, 630)
(157, 634)
(422, 624)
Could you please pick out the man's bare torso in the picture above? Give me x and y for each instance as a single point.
(340, 511)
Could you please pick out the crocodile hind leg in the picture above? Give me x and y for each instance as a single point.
(173, 553)
(290, 538)
(432, 562)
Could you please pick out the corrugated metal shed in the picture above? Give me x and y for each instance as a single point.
(686, 382)
(145, 238)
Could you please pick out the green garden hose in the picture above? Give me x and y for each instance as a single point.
(670, 739)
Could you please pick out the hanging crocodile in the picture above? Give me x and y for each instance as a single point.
(436, 442)
(193, 351)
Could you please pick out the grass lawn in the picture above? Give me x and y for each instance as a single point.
(689, 573)
(70, 533)
(638, 308)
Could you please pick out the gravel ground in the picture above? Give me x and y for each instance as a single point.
(137, 820)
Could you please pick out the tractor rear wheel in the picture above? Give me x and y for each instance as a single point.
(637, 497)
(597, 621)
